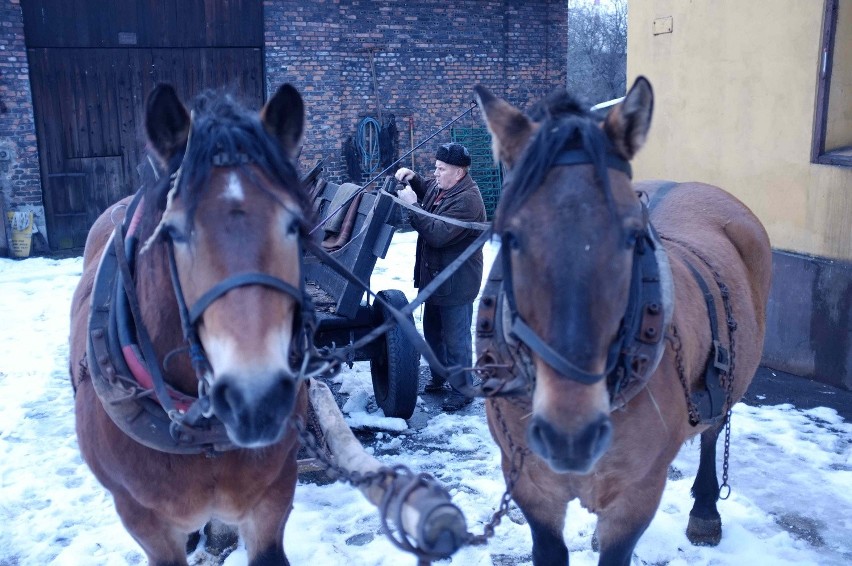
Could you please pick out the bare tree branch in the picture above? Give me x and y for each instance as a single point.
(597, 49)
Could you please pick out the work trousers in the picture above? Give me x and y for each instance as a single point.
(447, 330)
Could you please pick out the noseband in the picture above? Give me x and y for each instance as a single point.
(636, 348)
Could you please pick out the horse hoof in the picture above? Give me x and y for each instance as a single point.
(222, 539)
(192, 542)
(704, 532)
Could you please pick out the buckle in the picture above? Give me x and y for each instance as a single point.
(721, 357)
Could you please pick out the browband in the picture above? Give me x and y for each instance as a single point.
(581, 157)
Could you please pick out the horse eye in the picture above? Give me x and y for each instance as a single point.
(633, 237)
(293, 227)
(512, 240)
(176, 235)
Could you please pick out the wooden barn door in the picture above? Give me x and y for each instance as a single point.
(92, 64)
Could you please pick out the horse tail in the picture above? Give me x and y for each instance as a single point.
(751, 241)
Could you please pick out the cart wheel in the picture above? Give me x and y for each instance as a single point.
(395, 366)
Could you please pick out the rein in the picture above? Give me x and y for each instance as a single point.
(458, 377)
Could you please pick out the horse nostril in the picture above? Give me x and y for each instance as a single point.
(284, 393)
(604, 435)
(226, 399)
(537, 436)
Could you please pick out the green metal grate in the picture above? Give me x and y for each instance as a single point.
(488, 176)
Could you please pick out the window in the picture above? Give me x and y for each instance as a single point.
(832, 140)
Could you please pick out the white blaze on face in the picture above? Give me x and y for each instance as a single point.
(234, 190)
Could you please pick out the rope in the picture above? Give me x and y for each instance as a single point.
(367, 144)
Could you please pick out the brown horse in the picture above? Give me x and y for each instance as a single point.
(179, 439)
(637, 326)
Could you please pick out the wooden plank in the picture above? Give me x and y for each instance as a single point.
(156, 23)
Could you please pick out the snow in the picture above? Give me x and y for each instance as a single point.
(791, 469)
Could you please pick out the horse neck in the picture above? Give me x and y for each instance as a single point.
(161, 316)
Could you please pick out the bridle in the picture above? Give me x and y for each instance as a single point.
(636, 348)
(176, 423)
(304, 322)
(191, 315)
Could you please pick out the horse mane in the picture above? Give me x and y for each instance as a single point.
(565, 123)
(221, 125)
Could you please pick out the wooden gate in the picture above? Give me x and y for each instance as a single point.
(92, 64)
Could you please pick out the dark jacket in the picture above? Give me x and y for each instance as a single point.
(439, 243)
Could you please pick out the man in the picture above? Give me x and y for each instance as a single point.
(447, 313)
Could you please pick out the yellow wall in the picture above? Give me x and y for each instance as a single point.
(735, 91)
(839, 134)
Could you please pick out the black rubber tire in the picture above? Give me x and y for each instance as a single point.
(395, 367)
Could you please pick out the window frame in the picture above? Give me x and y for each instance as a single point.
(826, 61)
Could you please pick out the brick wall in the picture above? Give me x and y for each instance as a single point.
(427, 57)
(20, 183)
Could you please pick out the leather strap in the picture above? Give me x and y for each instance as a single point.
(241, 280)
(458, 377)
(711, 401)
(581, 157)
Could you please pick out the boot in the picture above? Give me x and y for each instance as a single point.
(456, 401)
(435, 385)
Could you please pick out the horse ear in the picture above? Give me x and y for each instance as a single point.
(510, 129)
(284, 117)
(166, 121)
(627, 124)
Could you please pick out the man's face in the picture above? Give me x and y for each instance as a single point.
(446, 175)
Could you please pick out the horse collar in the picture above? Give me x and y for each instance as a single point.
(171, 422)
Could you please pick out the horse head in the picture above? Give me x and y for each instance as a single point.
(229, 219)
(569, 221)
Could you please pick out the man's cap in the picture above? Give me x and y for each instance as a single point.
(454, 154)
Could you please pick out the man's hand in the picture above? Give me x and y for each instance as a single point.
(407, 195)
(404, 174)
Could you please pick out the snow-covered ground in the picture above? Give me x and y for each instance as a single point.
(791, 470)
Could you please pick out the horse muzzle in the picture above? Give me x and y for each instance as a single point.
(255, 410)
(570, 452)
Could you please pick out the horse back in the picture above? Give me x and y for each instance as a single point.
(707, 228)
(706, 217)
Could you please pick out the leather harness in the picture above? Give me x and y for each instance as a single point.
(505, 340)
(126, 373)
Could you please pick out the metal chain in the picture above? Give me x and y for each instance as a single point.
(674, 339)
(725, 488)
(517, 458)
(334, 471)
(731, 323)
(384, 476)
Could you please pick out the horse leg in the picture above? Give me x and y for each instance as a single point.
(544, 510)
(624, 520)
(164, 544)
(705, 523)
(618, 534)
(263, 529)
